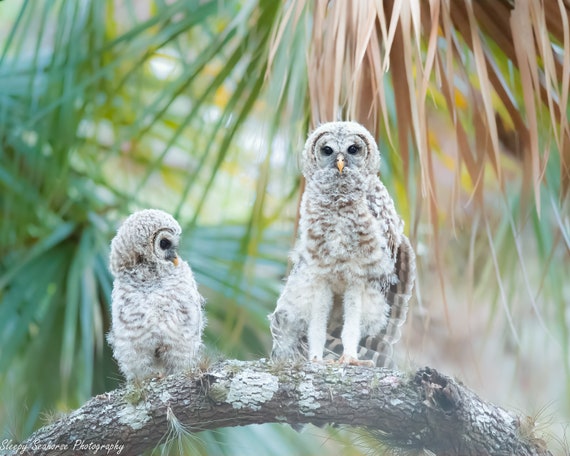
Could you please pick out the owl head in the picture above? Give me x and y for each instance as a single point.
(340, 146)
(150, 237)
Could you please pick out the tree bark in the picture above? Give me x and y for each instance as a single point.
(424, 410)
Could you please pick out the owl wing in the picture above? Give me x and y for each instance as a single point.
(287, 343)
(288, 323)
(378, 347)
(397, 297)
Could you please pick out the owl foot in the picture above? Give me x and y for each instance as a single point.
(314, 359)
(352, 361)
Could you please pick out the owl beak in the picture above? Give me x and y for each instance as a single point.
(340, 163)
(171, 255)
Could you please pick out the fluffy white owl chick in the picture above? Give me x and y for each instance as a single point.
(157, 311)
(353, 267)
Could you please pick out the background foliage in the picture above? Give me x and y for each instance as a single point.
(200, 108)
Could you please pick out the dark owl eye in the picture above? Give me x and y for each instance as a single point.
(165, 244)
(354, 149)
(327, 150)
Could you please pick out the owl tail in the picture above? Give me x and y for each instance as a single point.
(379, 348)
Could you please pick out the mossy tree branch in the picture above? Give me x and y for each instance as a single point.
(423, 410)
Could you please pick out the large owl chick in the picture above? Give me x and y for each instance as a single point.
(353, 267)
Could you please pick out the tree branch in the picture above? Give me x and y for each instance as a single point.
(425, 410)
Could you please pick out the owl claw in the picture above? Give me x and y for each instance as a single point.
(352, 361)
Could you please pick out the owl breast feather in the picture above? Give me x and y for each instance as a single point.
(345, 238)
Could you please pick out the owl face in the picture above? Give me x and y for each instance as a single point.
(340, 146)
(148, 237)
(341, 153)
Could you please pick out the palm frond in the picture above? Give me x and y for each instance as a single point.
(354, 44)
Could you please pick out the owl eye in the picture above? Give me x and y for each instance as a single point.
(354, 149)
(327, 150)
(165, 244)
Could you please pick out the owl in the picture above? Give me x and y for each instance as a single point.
(157, 311)
(353, 269)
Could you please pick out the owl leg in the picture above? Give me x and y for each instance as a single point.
(350, 335)
(321, 304)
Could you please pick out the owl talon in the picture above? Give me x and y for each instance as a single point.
(352, 361)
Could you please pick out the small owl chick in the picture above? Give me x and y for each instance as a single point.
(157, 311)
(353, 267)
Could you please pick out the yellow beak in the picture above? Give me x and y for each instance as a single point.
(340, 163)
(176, 260)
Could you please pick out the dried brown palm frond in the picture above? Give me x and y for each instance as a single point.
(507, 61)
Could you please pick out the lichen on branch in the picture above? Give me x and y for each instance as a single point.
(425, 410)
